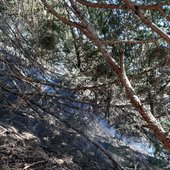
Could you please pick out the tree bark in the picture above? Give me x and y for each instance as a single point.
(153, 124)
(147, 22)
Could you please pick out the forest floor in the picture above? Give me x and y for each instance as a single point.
(33, 142)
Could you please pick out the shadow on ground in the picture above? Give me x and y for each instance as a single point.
(30, 141)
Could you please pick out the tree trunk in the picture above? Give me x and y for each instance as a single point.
(153, 124)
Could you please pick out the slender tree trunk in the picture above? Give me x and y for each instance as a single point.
(153, 124)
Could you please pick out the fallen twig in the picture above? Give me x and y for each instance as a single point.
(36, 163)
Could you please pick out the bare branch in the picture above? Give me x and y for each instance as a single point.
(61, 18)
(164, 14)
(148, 23)
(112, 42)
(123, 7)
(31, 165)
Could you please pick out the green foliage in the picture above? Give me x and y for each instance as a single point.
(50, 25)
(47, 41)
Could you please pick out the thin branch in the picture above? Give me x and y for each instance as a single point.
(164, 14)
(90, 32)
(31, 165)
(51, 84)
(112, 42)
(147, 22)
(123, 7)
(61, 18)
